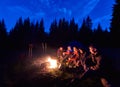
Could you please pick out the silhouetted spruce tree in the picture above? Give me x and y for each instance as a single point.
(3, 38)
(107, 42)
(32, 33)
(16, 35)
(20, 35)
(36, 29)
(41, 32)
(82, 31)
(85, 32)
(115, 23)
(63, 31)
(73, 30)
(53, 34)
(27, 33)
(59, 33)
(99, 35)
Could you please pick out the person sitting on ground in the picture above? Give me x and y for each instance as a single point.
(94, 59)
(75, 55)
(81, 60)
(67, 53)
(60, 54)
(82, 57)
(93, 63)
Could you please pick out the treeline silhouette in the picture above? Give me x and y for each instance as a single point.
(25, 32)
(62, 32)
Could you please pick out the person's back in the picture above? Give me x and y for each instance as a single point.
(94, 63)
(60, 52)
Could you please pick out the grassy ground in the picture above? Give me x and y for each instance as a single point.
(23, 73)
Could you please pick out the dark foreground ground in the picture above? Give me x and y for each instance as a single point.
(23, 73)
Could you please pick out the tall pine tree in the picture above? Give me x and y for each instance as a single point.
(3, 39)
(85, 32)
(115, 23)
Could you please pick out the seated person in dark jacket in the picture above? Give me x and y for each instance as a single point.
(93, 64)
(93, 61)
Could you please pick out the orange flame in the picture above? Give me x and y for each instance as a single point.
(53, 63)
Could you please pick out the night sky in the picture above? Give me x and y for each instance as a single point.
(100, 11)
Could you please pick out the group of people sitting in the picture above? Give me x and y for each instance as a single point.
(75, 57)
(90, 61)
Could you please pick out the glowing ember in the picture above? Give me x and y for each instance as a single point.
(53, 63)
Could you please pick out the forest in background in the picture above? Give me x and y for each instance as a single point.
(15, 44)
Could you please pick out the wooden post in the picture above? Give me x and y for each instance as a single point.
(44, 47)
(30, 50)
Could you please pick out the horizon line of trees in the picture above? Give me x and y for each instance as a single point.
(25, 32)
(61, 32)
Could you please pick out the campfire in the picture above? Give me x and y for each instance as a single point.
(52, 62)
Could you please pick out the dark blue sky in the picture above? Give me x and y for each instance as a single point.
(100, 11)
